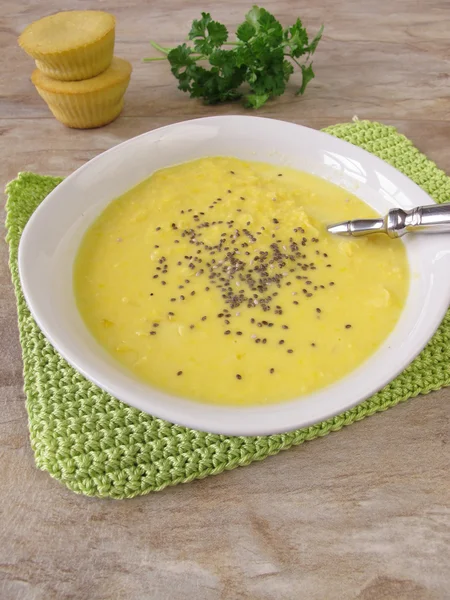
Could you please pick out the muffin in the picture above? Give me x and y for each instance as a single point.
(89, 103)
(73, 45)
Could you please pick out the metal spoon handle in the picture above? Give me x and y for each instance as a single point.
(424, 219)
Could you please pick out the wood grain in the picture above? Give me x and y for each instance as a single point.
(363, 514)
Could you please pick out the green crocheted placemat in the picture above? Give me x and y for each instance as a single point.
(98, 446)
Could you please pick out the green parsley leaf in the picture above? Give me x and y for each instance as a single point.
(253, 16)
(296, 39)
(269, 25)
(245, 31)
(198, 27)
(255, 101)
(207, 34)
(316, 40)
(183, 66)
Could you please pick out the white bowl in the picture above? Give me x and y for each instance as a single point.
(53, 234)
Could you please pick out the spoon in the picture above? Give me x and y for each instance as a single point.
(434, 218)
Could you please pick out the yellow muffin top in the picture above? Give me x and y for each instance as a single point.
(118, 72)
(66, 31)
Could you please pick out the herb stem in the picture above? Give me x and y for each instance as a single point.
(294, 59)
(160, 48)
(195, 55)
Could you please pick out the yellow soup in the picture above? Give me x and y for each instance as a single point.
(216, 280)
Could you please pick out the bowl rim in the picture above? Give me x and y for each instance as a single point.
(247, 420)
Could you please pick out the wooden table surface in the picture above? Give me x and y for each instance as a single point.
(361, 514)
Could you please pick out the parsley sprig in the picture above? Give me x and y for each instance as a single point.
(263, 57)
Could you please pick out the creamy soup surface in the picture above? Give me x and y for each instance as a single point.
(216, 280)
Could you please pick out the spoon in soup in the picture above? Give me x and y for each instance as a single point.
(434, 218)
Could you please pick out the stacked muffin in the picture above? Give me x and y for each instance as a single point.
(77, 75)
